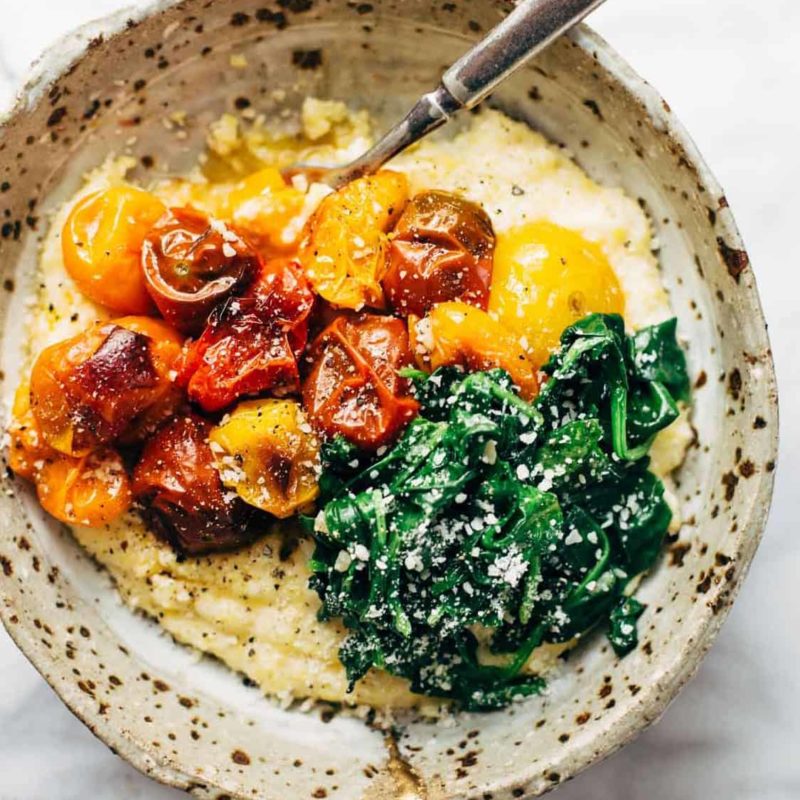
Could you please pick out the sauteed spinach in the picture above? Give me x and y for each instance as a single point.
(495, 525)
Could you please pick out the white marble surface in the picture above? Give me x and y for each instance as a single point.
(731, 71)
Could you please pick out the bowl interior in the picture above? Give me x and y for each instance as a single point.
(193, 723)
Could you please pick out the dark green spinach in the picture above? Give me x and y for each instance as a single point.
(495, 525)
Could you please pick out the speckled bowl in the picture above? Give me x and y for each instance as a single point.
(193, 724)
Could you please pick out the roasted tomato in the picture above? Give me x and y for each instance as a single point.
(89, 390)
(343, 251)
(268, 454)
(91, 490)
(269, 209)
(441, 250)
(353, 387)
(192, 263)
(546, 278)
(456, 333)
(182, 496)
(251, 343)
(102, 244)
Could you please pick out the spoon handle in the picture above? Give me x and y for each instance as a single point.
(529, 28)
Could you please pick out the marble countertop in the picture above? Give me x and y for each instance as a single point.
(730, 70)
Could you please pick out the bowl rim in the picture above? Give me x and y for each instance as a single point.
(669, 678)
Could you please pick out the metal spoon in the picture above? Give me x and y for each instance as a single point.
(529, 28)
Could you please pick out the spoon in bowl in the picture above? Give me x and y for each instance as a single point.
(529, 28)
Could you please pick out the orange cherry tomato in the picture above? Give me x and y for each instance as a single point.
(181, 492)
(166, 348)
(457, 333)
(92, 490)
(91, 389)
(268, 209)
(343, 251)
(251, 343)
(102, 244)
(441, 249)
(353, 387)
(192, 263)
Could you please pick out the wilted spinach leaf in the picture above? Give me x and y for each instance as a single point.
(622, 625)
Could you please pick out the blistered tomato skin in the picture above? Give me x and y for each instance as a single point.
(459, 334)
(441, 249)
(268, 454)
(179, 489)
(251, 343)
(352, 386)
(343, 251)
(545, 279)
(192, 263)
(91, 389)
(102, 242)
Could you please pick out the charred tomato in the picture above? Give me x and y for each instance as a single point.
(181, 493)
(352, 386)
(92, 389)
(441, 249)
(191, 263)
(251, 343)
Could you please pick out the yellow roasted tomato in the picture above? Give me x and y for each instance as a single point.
(102, 245)
(265, 206)
(546, 278)
(267, 453)
(460, 334)
(343, 251)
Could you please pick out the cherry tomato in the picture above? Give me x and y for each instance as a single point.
(456, 333)
(441, 249)
(546, 278)
(251, 343)
(269, 209)
(343, 251)
(267, 453)
(192, 263)
(92, 490)
(352, 386)
(181, 494)
(102, 244)
(90, 389)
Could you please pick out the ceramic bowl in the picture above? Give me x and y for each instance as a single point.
(192, 723)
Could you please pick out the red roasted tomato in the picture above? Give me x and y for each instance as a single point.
(251, 343)
(192, 263)
(352, 386)
(98, 386)
(441, 250)
(181, 493)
